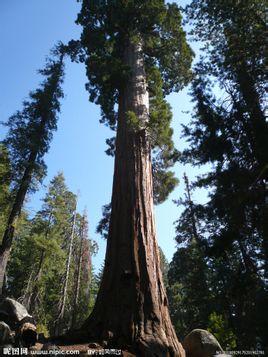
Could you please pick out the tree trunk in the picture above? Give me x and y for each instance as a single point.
(62, 302)
(26, 297)
(6, 244)
(78, 278)
(258, 122)
(193, 222)
(131, 308)
(35, 292)
(25, 182)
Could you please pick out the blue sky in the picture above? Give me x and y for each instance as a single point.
(29, 29)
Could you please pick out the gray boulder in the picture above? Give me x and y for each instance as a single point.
(12, 312)
(201, 343)
(18, 320)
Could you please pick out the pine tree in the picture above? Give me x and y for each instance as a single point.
(5, 194)
(77, 282)
(28, 139)
(188, 290)
(57, 213)
(66, 276)
(164, 266)
(37, 280)
(229, 133)
(84, 287)
(21, 263)
(135, 53)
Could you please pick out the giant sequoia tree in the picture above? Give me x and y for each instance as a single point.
(28, 139)
(135, 53)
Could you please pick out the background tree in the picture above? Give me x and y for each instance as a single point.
(189, 292)
(135, 53)
(28, 138)
(86, 283)
(228, 132)
(37, 280)
(237, 61)
(5, 177)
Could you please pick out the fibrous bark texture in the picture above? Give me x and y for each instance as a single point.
(131, 307)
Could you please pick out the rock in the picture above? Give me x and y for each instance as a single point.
(12, 312)
(201, 343)
(6, 336)
(19, 320)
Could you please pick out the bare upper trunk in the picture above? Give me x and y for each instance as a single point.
(131, 307)
(63, 298)
(33, 300)
(78, 278)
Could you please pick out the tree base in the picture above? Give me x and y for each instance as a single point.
(147, 346)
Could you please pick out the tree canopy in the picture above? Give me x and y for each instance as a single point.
(107, 27)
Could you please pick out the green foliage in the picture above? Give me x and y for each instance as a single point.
(160, 115)
(188, 291)
(160, 131)
(234, 35)
(164, 266)
(108, 28)
(30, 129)
(164, 182)
(196, 288)
(228, 133)
(176, 308)
(133, 121)
(218, 326)
(103, 225)
(94, 286)
(41, 328)
(36, 279)
(20, 264)
(5, 194)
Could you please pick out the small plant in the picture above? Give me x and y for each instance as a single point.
(218, 326)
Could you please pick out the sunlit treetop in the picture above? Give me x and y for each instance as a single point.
(108, 26)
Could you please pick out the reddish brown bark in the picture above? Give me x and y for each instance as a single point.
(131, 307)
